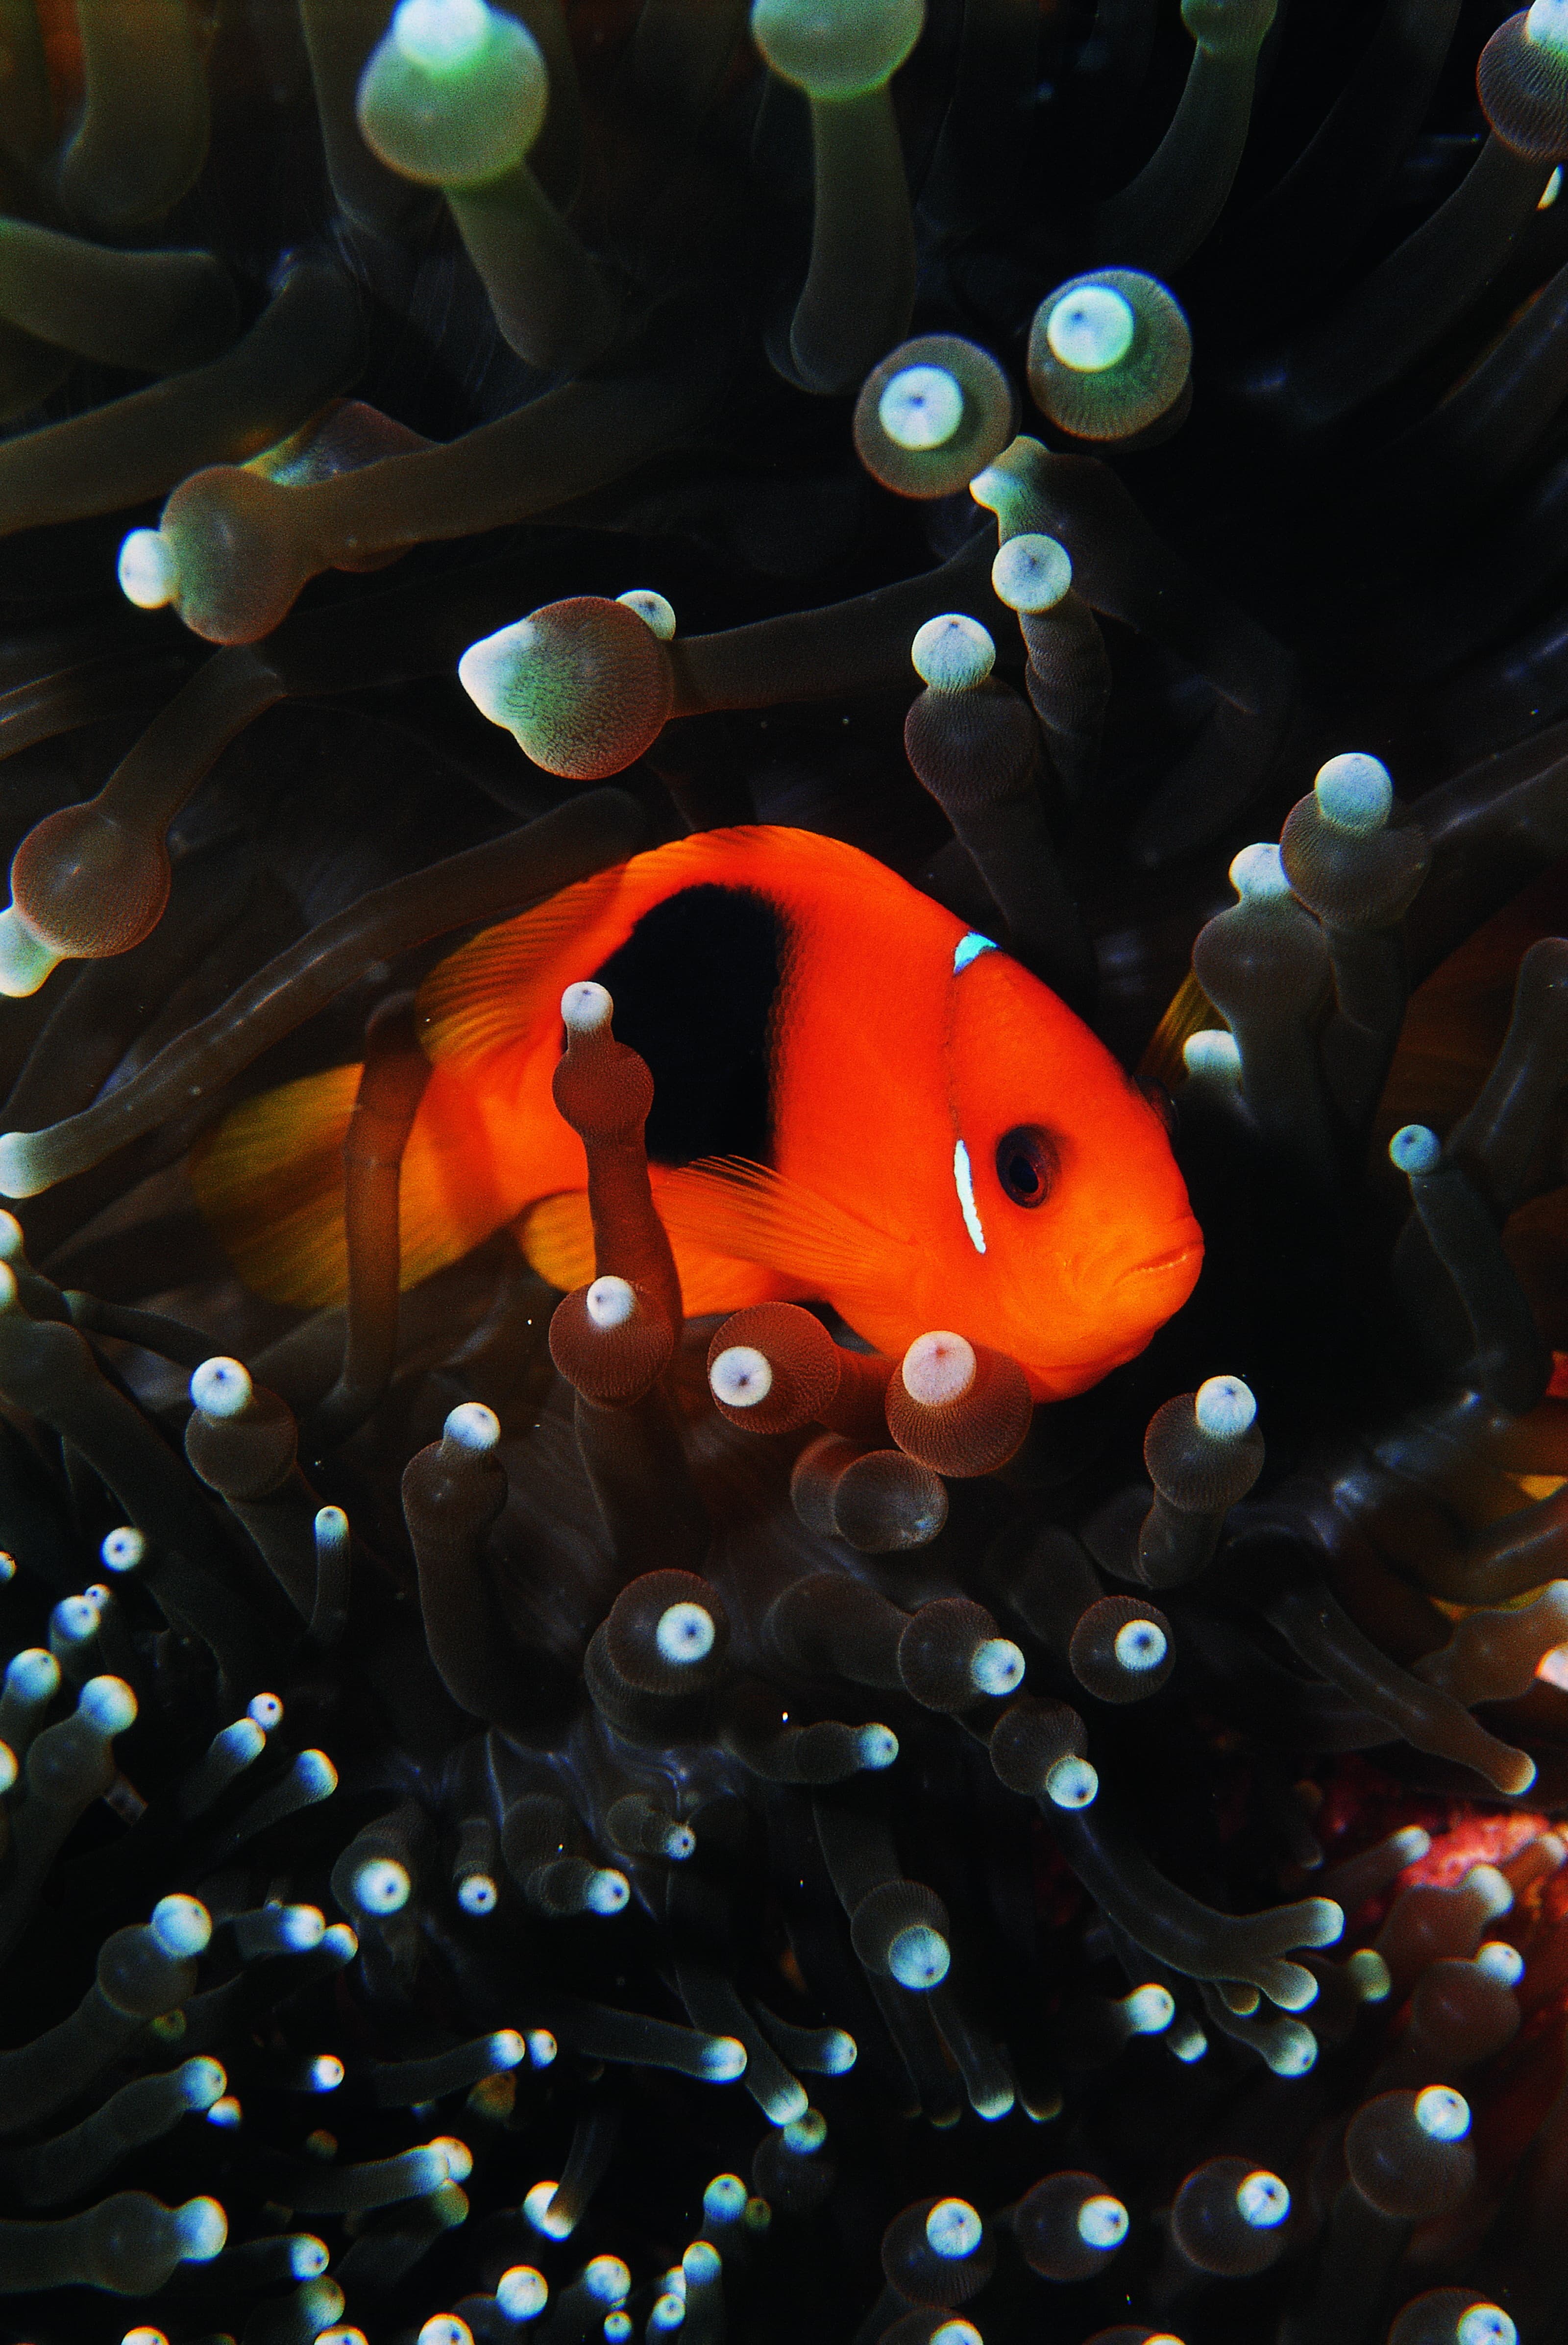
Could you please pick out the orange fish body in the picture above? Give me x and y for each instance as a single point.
(855, 1101)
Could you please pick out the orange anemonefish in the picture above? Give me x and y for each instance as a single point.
(857, 1100)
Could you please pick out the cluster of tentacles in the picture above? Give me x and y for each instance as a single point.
(527, 1816)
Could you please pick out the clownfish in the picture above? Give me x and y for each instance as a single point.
(858, 1101)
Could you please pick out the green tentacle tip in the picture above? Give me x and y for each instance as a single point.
(932, 414)
(1224, 1408)
(1415, 1149)
(1546, 25)
(583, 686)
(1443, 2113)
(920, 1957)
(455, 95)
(1229, 28)
(1009, 486)
(1149, 2010)
(1322, 1924)
(1262, 2200)
(201, 2227)
(1072, 1783)
(441, 35)
(1110, 354)
(26, 960)
(724, 2059)
(182, 1925)
(953, 2229)
(836, 48)
(921, 407)
(1091, 328)
(521, 2292)
(1354, 792)
(1521, 80)
(953, 654)
(1258, 873)
(1031, 573)
(1485, 2324)
(1289, 2048)
(1369, 1974)
(653, 609)
(382, 1885)
(149, 572)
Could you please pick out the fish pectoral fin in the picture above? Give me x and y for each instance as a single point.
(495, 991)
(556, 1239)
(731, 1206)
(269, 1179)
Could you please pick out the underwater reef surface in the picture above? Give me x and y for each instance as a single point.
(528, 1815)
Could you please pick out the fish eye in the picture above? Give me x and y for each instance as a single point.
(1026, 1163)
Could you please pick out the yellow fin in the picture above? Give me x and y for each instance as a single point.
(269, 1179)
(727, 1205)
(496, 990)
(556, 1235)
(1190, 1010)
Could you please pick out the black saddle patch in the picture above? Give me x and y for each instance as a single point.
(694, 986)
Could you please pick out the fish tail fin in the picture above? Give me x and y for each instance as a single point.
(269, 1181)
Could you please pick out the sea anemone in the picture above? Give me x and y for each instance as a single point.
(525, 1813)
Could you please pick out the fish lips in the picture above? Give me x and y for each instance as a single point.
(1122, 1307)
(1121, 1317)
(1165, 1279)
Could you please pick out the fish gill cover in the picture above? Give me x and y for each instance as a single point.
(528, 1817)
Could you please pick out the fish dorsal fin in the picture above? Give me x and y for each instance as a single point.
(494, 991)
(731, 1206)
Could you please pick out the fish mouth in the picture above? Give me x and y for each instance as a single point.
(1153, 1290)
(1174, 1259)
(1136, 1303)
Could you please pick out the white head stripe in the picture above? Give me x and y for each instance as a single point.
(970, 947)
(964, 1181)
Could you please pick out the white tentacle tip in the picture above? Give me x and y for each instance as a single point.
(741, 1376)
(1258, 874)
(1225, 1409)
(610, 1303)
(953, 653)
(149, 572)
(473, 1426)
(1355, 792)
(650, 607)
(938, 1368)
(585, 1007)
(221, 1387)
(488, 670)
